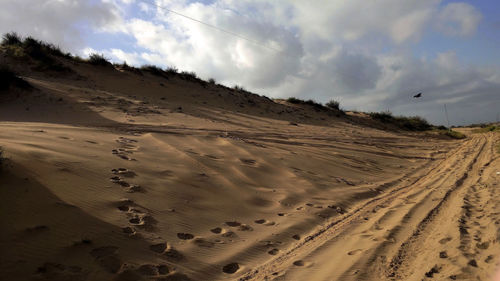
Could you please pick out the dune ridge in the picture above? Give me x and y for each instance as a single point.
(114, 175)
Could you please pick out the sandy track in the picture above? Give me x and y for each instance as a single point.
(164, 187)
(441, 224)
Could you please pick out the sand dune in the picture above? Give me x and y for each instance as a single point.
(125, 177)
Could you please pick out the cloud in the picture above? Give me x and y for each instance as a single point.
(459, 19)
(56, 21)
(358, 52)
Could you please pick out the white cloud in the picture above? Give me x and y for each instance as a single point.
(56, 21)
(459, 19)
(357, 51)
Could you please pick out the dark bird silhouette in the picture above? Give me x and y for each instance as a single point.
(417, 95)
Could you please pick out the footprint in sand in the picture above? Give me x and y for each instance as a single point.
(120, 181)
(144, 221)
(57, 271)
(106, 257)
(273, 252)
(158, 248)
(169, 252)
(201, 242)
(248, 161)
(445, 240)
(185, 236)
(122, 153)
(216, 230)
(265, 222)
(229, 234)
(354, 252)
(125, 141)
(231, 268)
(124, 172)
(298, 263)
(152, 270)
(233, 223)
(245, 227)
(129, 188)
(135, 188)
(128, 230)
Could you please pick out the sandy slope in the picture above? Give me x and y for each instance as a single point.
(127, 178)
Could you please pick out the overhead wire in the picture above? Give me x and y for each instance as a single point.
(255, 42)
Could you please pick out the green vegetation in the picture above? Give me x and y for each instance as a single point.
(333, 104)
(97, 59)
(414, 123)
(153, 69)
(189, 75)
(239, 88)
(330, 106)
(487, 128)
(454, 134)
(11, 39)
(172, 70)
(42, 53)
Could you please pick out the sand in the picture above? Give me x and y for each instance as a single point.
(117, 176)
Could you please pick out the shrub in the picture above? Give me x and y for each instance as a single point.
(333, 104)
(294, 100)
(153, 69)
(313, 103)
(171, 70)
(188, 75)
(487, 128)
(33, 48)
(211, 81)
(454, 134)
(11, 38)
(383, 116)
(238, 88)
(97, 59)
(414, 123)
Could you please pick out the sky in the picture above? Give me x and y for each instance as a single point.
(368, 55)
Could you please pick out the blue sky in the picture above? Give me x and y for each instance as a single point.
(369, 55)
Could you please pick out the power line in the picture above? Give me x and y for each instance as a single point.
(211, 26)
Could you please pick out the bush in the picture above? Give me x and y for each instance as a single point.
(171, 70)
(454, 134)
(211, 81)
(333, 104)
(414, 123)
(33, 48)
(97, 59)
(487, 128)
(239, 88)
(313, 103)
(188, 75)
(153, 69)
(11, 38)
(294, 100)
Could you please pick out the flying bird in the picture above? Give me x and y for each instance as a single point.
(417, 95)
